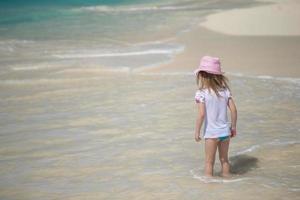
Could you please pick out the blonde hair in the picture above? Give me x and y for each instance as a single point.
(215, 82)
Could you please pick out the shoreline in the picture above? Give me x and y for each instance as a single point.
(280, 18)
(258, 55)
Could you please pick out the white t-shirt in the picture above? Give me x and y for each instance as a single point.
(216, 122)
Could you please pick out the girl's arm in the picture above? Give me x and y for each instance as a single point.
(233, 114)
(199, 121)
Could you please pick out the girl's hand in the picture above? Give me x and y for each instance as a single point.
(197, 138)
(233, 132)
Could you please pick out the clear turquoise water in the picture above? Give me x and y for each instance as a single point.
(72, 33)
(39, 35)
(17, 11)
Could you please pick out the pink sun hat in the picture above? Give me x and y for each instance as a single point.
(210, 65)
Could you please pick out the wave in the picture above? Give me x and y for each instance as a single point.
(294, 189)
(140, 71)
(272, 143)
(278, 142)
(94, 70)
(215, 180)
(249, 149)
(148, 55)
(9, 46)
(267, 77)
(287, 79)
(121, 54)
(66, 80)
(4, 42)
(205, 179)
(43, 81)
(33, 81)
(110, 9)
(34, 67)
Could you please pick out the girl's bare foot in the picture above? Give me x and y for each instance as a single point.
(226, 175)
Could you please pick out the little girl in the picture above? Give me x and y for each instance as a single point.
(213, 97)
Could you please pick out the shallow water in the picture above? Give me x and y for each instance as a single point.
(126, 135)
(77, 122)
(119, 34)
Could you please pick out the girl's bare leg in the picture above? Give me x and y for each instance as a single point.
(223, 147)
(210, 152)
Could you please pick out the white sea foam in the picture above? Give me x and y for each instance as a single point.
(9, 46)
(247, 150)
(33, 67)
(205, 179)
(272, 143)
(155, 42)
(14, 42)
(121, 54)
(140, 72)
(267, 77)
(110, 9)
(215, 180)
(44, 81)
(294, 166)
(95, 70)
(65, 80)
(294, 189)
(287, 79)
(278, 142)
(266, 186)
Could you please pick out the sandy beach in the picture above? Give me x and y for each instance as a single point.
(249, 41)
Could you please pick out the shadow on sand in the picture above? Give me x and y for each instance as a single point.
(241, 164)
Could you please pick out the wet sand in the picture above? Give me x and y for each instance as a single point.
(275, 54)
